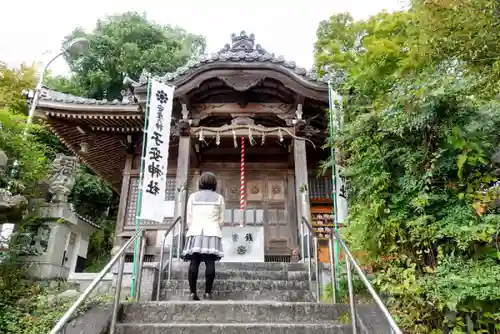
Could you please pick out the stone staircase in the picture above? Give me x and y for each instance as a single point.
(264, 298)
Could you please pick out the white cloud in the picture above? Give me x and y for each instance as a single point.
(284, 27)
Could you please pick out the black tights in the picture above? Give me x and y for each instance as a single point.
(209, 260)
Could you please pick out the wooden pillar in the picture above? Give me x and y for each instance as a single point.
(292, 207)
(181, 177)
(196, 180)
(124, 198)
(301, 179)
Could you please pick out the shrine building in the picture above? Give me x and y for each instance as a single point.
(241, 91)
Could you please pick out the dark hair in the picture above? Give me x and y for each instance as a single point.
(208, 181)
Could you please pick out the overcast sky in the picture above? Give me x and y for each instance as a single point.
(30, 31)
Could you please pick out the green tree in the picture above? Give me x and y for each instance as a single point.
(126, 44)
(120, 45)
(420, 131)
(12, 82)
(30, 154)
(90, 188)
(26, 150)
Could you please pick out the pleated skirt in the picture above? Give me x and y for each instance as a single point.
(200, 244)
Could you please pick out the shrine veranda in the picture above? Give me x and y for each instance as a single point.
(241, 91)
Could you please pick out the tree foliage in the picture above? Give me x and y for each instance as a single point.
(421, 128)
(89, 188)
(126, 44)
(27, 151)
(12, 83)
(29, 154)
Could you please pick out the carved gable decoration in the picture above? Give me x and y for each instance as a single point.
(241, 83)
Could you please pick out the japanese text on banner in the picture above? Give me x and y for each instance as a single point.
(339, 175)
(156, 153)
(341, 196)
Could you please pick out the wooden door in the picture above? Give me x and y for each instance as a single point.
(267, 204)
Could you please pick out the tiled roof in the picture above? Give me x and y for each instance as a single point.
(241, 50)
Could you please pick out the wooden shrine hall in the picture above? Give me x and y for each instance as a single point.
(240, 91)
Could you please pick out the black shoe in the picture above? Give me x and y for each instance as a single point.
(207, 296)
(193, 296)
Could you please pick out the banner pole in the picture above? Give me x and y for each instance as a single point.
(334, 177)
(139, 192)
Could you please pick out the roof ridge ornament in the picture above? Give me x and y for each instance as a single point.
(243, 42)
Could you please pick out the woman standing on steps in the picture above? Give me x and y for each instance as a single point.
(204, 219)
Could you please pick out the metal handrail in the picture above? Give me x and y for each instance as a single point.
(305, 223)
(120, 255)
(162, 252)
(350, 261)
(316, 259)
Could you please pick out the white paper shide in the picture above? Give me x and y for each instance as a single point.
(154, 179)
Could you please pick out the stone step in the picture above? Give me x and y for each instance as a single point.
(231, 312)
(276, 295)
(233, 274)
(247, 266)
(232, 328)
(239, 285)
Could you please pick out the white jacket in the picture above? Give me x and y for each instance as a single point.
(205, 214)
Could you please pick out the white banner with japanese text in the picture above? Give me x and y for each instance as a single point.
(338, 120)
(341, 195)
(154, 178)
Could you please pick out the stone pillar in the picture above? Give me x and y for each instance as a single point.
(181, 178)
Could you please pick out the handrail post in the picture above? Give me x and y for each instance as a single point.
(181, 212)
(142, 243)
(332, 270)
(318, 279)
(162, 255)
(302, 235)
(170, 255)
(116, 301)
(351, 296)
(178, 241)
(309, 265)
(160, 273)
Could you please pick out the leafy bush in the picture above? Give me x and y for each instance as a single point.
(418, 172)
(421, 129)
